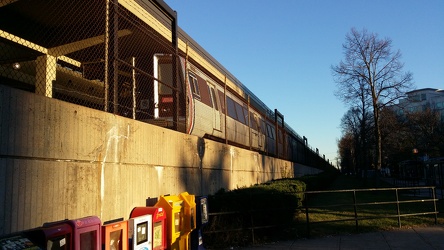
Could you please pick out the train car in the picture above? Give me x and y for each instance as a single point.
(213, 111)
(218, 106)
(219, 112)
(145, 68)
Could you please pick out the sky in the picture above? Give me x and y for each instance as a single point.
(283, 50)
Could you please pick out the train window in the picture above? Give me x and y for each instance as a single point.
(263, 127)
(214, 98)
(211, 97)
(247, 122)
(222, 100)
(231, 108)
(258, 123)
(166, 77)
(240, 113)
(254, 121)
(193, 83)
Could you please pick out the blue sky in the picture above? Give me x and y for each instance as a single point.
(283, 50)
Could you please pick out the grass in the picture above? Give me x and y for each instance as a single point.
(275, 211)
(378, 216)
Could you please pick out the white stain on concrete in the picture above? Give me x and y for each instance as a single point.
(159, 170)
(232, 155)
(113, 139)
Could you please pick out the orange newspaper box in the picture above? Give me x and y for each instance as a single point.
(115, 235)
(159, 231)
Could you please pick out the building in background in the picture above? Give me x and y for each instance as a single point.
(420, 100)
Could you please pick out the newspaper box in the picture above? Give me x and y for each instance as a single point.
(86, 232)
(139, 232)
(159, 224)
(115, 235)
(201, 220)
(189, 219)
(172, 205)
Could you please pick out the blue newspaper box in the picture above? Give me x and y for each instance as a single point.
(201, 220)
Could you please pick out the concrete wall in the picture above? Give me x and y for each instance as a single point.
(59, 160)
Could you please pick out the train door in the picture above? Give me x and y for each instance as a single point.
(163, 90)
(216, 109)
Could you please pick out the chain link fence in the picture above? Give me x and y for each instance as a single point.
(128, 58)
(98, 54)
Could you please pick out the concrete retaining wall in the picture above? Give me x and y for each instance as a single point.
(59, 160)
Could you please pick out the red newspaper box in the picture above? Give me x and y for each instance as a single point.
(115, 235)
(55, 235)
(159, 224)
(86, 232)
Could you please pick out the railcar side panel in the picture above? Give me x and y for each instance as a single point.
(209, 106)
(207, 109)
(237, 121)
(257, 137)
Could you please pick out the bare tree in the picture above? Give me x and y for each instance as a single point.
(396, 139)
(373, 71)
(355, 124)
(425, 131)
(346, 148)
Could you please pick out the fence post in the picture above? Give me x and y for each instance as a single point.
(252, 219)
(307, 216)
(434, 204)
(356, 212)
(397, 208)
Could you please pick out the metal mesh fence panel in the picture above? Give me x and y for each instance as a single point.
(98, 54)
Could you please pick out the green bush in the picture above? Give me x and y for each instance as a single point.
(271, 205)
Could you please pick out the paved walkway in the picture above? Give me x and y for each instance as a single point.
(421, 238)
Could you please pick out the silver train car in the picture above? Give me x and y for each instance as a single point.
(130, 58)
(218, 112)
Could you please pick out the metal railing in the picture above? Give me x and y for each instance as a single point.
(423, 197)
(402, 196)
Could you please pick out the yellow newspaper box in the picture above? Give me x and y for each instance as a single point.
(189, 219)
(173, 206)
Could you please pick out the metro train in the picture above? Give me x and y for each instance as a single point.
(183, 88)
(231, 114)
(221, 114)
(218, 106)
